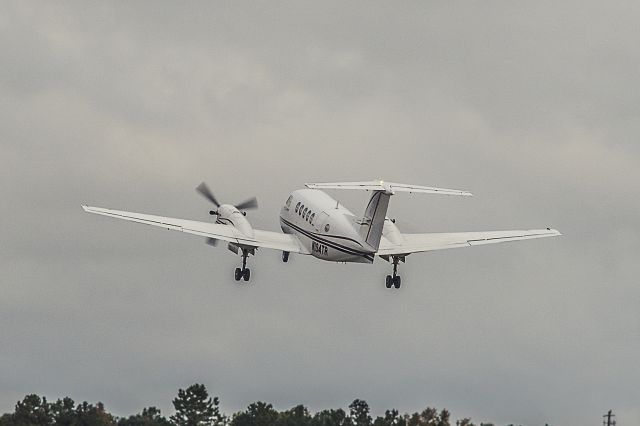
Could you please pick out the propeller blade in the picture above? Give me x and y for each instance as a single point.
(204, 190)
(251, 203)
(212, 242)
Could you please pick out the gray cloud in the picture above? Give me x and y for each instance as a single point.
(531, 106)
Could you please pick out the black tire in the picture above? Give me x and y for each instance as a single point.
(238, 274)
(388, 282)
(285, 256)
(246, 274)
(397, 281)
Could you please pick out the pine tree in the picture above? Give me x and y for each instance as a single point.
(391, 418)
(64, 412)
(32, 410)
(194, 407)
(331, 418)
(257, 414)
(149, 417)
(359, 413)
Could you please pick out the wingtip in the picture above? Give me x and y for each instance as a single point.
(554, 232)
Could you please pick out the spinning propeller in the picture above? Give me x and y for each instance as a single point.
(203, 189)
(248, 204)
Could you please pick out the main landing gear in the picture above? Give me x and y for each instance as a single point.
(244, 272)
(285, 256)
(394, 280)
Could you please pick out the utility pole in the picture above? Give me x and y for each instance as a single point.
(608, 419)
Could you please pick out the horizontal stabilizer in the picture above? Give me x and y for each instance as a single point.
(387, 187)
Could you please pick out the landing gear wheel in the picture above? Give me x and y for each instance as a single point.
(389, 281)
(285, 256)
(394, 280)
(397, 281)
(243, 272)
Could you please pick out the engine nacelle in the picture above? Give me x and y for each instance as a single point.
(230, 215)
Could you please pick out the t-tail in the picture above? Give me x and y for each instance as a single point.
(373, 220)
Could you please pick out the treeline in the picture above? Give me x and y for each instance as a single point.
(194, 407)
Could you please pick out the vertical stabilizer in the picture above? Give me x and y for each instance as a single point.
(373, 220)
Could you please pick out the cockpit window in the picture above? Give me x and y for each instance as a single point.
(297, 206)
(288, 203)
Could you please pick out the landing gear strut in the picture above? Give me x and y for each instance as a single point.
(244, 272)
(394, 280)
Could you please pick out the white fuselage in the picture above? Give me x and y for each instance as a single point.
(326, 228)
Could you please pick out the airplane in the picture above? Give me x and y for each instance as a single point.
(313, 223)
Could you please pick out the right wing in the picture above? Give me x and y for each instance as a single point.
(266, 239)
(415, 243)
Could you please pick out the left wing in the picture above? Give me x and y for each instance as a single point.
(266, 239)
(415, 243)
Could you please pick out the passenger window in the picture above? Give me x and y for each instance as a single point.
(297, 206)
(307, 217)
(301, 207)
(304, 212)
(312, 216)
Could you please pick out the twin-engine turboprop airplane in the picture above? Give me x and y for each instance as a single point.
(315, 224)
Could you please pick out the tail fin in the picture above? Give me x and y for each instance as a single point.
(373, 220)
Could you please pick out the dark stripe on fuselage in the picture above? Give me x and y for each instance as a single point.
(332, 244)
(338, 237)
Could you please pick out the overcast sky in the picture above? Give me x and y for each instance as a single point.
(532, 106)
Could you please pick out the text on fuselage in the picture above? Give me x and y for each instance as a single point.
(319, 248)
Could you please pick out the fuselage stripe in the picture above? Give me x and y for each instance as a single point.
(339, 247)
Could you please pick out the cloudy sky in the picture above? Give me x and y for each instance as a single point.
(532, 106)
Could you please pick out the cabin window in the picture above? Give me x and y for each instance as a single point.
(307, 216)
(300, 211)
(304, 212)
(297, 206)
(312, 216)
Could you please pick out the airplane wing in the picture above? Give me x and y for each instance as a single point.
(415, 243)
(266, 239)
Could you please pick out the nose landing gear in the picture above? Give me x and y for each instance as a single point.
(394, 280)
(244, 272)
